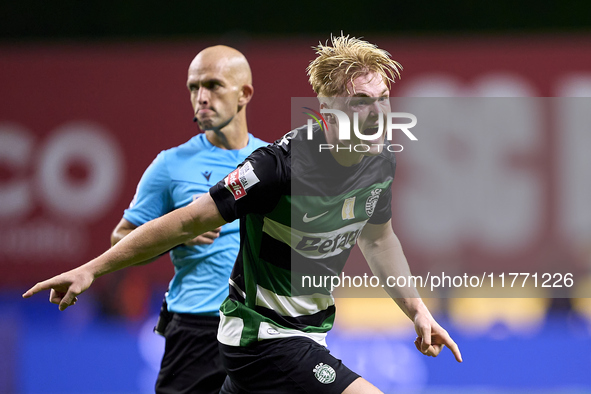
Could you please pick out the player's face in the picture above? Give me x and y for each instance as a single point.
(214, 93)
(369, 98)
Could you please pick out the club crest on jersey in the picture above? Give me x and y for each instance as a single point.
(372, 201)
(348, 211)
(240, 180)
(324, 373)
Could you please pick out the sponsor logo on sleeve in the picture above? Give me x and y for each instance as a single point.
(240, 180)
(348, 211)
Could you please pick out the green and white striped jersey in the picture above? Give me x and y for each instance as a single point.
(300, 214)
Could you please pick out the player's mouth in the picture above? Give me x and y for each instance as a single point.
(370, 131)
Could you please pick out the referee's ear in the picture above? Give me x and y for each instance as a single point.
(246, 93)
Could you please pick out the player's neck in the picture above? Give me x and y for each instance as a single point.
(346, 159)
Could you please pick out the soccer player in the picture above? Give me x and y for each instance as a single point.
(301, 211)
(220, 84)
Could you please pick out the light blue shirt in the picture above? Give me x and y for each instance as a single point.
(175, 178)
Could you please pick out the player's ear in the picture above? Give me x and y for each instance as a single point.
(246, 93)
(330, 118)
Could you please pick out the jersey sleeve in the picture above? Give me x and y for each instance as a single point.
(152, 196)
(383, 209)
(255, 186)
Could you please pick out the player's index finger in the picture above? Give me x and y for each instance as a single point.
(454, 349)
(45, 285)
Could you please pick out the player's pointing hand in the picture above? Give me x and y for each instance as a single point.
(64, 288)
(432, 338)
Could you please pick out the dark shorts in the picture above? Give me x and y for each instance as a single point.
(288, 365)
(191, 361)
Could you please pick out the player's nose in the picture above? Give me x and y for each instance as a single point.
(376, 109)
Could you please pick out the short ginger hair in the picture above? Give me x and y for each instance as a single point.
(346, 59)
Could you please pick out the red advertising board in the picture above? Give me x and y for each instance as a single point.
(79, 123)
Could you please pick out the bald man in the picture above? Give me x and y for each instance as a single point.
(220, 83)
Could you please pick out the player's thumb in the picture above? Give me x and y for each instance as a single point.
(426, 334)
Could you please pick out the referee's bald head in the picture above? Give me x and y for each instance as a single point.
(227, 60)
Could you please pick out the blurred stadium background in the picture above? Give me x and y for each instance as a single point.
(91, 92)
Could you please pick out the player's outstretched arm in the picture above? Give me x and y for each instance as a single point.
(124, 227)
(144, 243)
(383, 252)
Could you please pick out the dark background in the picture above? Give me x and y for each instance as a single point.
(135, 19)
